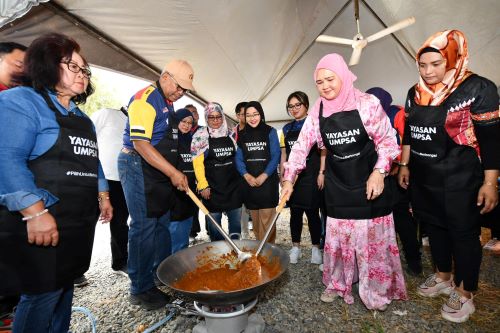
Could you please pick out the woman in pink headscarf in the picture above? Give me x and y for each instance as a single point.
(360, 242)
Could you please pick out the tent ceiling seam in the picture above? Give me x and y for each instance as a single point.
(341, 10)
(411, 53)
(109, 41)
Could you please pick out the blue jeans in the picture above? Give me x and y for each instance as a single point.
(148, 238)
(233, 217)
(44, 313)
(179, 233)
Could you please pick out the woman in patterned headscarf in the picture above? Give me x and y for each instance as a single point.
(451, 158)
(218, 182)
(360, 243)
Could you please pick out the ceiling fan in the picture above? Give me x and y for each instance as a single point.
(359, 42)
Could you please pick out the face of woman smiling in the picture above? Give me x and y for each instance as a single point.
(72, 84)
(252, 117)
(296, 108)
(185, 125)
(328, 84)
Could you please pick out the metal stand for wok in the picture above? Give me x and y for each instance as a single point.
(227, 318)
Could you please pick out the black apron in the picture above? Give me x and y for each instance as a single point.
(350, 161)
(257, 154)
(183, 206)
(68, 170)
(223, 178)
(158, 188)
(306, 192)
(444, 177)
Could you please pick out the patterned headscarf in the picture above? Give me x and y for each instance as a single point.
(348, 96)
(452, 45)
(200, 138)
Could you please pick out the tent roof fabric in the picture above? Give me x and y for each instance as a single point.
(261, 49)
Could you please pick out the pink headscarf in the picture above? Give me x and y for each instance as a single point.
(348, 97)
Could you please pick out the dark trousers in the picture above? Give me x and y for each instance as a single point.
(118, 226)
(460, 245)
(195, 227)
(313, 221)
(406, 227)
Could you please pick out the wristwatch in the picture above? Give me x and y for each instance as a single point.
(382, 171)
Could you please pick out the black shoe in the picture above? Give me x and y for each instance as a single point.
(150, 300)
(81, 281)
(414, 268)
(122, 271)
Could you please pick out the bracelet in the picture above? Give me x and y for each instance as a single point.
(29, 217)
(491, 184)
(401, 164)
(321, 172)
(101, 198)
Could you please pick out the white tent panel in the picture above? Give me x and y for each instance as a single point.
(262, 49)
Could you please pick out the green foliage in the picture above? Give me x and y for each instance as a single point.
(104, 96)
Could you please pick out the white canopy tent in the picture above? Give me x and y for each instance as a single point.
(257, 49)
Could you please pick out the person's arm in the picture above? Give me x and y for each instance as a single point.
(274, 147)
(404, 168)
(283, 153)
(308, 136)
(486, 121)
(156, 160)
(21, 126)
(242, 168)
(142, 117)
(322, 165)
(379, 129)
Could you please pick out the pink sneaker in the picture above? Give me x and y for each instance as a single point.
(458, 308)
(434, 286)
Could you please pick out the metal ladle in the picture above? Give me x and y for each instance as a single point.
(280, 207)
(242, 256)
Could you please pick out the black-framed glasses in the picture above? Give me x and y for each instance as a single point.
(213, 118)
(178, 86)
(73, 67)
(254, 115)
(294, 106)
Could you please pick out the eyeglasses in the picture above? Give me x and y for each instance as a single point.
(178, 86)
(213, 118)
(294, 106)
(73, 67)
(253, 115)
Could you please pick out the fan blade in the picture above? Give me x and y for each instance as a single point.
(391, 29)
(356, 54)
(336, 40)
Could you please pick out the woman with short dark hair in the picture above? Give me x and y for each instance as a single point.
(306, 198)
(51, 185)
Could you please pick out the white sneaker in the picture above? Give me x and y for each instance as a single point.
(316, 256)
(294, 255)
(458, 308)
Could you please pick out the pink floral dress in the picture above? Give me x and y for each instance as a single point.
(358, 250)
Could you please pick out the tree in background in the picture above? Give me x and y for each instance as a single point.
(105, 96)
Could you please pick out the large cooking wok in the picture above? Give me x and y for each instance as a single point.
(175, 266)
